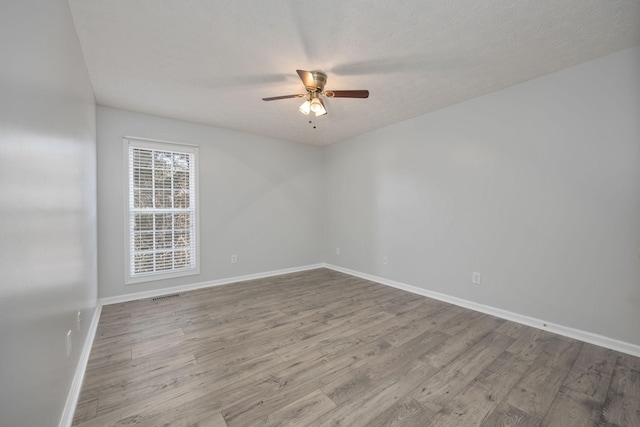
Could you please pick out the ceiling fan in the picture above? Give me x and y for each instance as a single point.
(314, 82)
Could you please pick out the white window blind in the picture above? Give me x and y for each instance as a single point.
(161, 210)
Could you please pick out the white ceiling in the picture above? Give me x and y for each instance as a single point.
(211, 61)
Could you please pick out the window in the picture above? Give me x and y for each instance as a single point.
(162, 239)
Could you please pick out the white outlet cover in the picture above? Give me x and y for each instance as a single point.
(475, 278)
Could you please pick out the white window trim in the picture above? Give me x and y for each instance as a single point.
(170, 146)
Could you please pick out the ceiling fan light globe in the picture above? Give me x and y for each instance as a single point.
(316, 106)
(320, 109)
(305, 108)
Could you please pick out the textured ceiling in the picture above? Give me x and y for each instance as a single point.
(211, 61)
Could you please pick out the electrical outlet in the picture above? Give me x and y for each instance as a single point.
(79, 320)
(475, 278)
(385, 260)
(234, 259)
(337, 251)
(69, 343)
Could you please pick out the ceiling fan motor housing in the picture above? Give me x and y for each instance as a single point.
(319, 79)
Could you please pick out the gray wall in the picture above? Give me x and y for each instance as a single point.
(537, 187)
(260, 198)
(47, 208)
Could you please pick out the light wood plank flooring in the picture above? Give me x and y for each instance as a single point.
(321, 348)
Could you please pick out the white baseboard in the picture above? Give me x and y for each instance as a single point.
(600, 340)
(76, 385)
(191, 287)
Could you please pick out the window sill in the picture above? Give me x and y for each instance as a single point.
(153, 277)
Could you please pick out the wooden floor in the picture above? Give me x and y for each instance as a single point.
(321, 348)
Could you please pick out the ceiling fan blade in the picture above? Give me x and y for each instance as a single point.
(274, 98)
(307, 80)
(347, 94)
